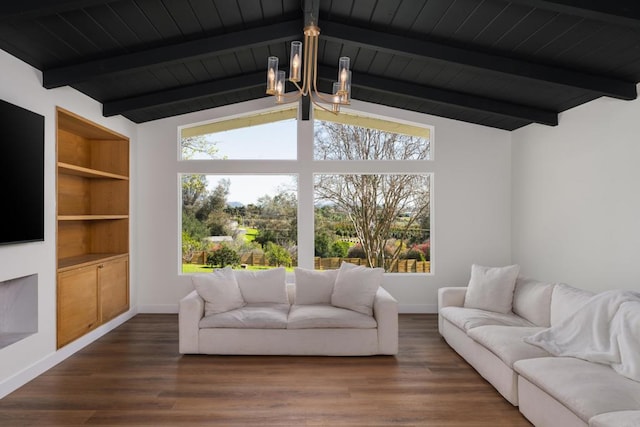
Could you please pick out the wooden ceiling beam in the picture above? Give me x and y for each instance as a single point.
(619, 12)
(183, 93)
(446, 97)
(190, 50)
(421, 49)
(361, 80)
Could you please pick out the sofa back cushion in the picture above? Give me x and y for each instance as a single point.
(565, 300)
(532, 301)
(491, 288)
(314, 286)
(263, 286)
(356, 287)
(219, 290)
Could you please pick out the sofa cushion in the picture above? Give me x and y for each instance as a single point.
(491, 288)
(356, 287)
(327, 316)
(314, 286)
(263, 286)
(251, 316)
(585, 388)
(616, 419)
(532, 300)
(468, 318)
(219, 290)
(565, 300)
(506, 342)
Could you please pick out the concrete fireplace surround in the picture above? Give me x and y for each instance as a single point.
(18, 309)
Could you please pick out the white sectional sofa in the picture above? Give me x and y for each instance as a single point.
(271, 317)
(550, 391)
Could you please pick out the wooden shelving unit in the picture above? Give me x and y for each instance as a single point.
(93, 225)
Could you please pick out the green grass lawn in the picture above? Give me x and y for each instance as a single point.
(250, 234)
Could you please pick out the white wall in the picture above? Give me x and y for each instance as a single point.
(21, 85)
(576, 198)
(471, 207)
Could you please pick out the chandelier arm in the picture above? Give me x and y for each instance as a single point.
(291, 95)
(297, 86)
(322, 107)
(320, 98)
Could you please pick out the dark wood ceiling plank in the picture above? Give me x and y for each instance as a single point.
(250, 10)
(541, 42)
(406, 15)
(384, 12)
(131, 15)
(229, 12)
(68, 34)
(207, 15)
(11, 10)
(619, 12)
(477, 21)
(454, 18)
(124, 34)
(184, 93)
(158, 13)
(472, 58)
(344, 8)
(430, 15)
(500, 24)
(448, 97)
(184, 17)
(83, 22)
(200, 48)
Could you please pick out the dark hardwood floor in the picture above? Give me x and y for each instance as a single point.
(135, 376)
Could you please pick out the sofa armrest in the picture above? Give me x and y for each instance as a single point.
(451, 296)
(385, 310)
(190, 312)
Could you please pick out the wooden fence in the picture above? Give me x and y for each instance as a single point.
(401, 266)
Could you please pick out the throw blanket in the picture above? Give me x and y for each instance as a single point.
(605, 330)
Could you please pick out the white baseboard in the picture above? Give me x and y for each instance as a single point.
(417, 308)
(158, 309)
(19, 379)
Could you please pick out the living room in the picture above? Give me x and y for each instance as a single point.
(557, 200)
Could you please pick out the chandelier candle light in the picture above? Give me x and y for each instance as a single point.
(309, 87)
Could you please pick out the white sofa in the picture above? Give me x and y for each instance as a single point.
(550, 391)
(267, 325)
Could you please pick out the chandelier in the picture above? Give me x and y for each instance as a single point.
(308, 65)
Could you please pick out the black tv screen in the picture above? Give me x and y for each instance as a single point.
(21, 175)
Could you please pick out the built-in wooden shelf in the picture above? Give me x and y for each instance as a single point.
(71, 263)
(93, 225)
(90, 217)
(70, 169)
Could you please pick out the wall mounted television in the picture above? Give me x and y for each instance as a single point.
(21, 175)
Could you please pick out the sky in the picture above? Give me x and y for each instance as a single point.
(269, 141)
(248, 189)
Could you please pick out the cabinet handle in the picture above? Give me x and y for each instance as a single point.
(101, 266)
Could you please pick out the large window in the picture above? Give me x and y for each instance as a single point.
(267, 190)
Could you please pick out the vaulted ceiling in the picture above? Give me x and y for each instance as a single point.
(503, 64)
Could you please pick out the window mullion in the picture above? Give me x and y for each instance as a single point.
(305, 193)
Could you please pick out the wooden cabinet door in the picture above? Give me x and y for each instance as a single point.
(77, 303)
(113, 278)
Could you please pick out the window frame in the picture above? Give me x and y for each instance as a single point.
(306, 167)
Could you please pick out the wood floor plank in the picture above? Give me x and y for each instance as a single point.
(134, 376)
